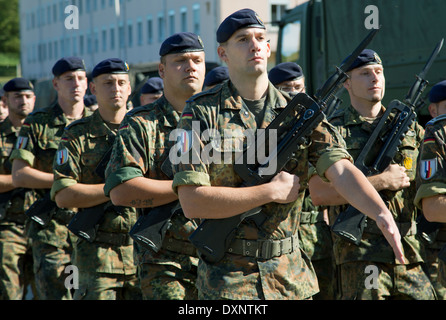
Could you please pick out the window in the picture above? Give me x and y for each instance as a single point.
(291, 42)
(104, 40)
(139, 32)
(277, 11)
(183, 19)
(149, 30)
(171, 22)
(130, 33)
(74, 45)
(81, 45)
(112, 38)
(121, 34)
(196, 17)
(160, 28)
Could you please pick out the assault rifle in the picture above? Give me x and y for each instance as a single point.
(293, 127)
(350, 223)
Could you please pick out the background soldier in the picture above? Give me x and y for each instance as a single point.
(105, 262)
(90, 102)
(3, 106)
(431, 184)
(151, 91)
(16, 271)
(314, 232)
(212, 190)
(139, 173)
(366, 86)
(32, 167)
(215, 77)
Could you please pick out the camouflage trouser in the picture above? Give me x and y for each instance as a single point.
(49, 269)
(442, 272)
(166, 282)
(432, 270)
(16, 272)
(104, 286)
(367, 280)
(325, 272)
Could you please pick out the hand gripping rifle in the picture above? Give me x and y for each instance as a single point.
(292, 128)
(350, 223)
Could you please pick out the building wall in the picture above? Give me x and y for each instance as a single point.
(120, 28)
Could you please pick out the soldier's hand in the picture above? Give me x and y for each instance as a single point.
(285, 187)
(396, 177)
(388, 227)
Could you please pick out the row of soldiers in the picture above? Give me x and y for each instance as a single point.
(50, 160)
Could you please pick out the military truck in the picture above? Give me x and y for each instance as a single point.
(320, 34)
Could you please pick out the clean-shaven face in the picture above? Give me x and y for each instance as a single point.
(367, 83)
(71, 86)
(112, 90)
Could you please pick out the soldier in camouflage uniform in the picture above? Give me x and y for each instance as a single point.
(32, 167)
(15, 246)
(358, 266)
(105, 262)
(137, 174)
(211, 189)
(431, 184)
(314, 232)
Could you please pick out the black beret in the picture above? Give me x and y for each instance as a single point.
(285, 71)
(244, 18)
(181, 42)
(367, 56)
(112, 65)
(438, 92)
(153, 85)
(18, 84)
(68, 64)
(216, 75)
(90, 100)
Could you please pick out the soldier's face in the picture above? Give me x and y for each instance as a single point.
(367, 83)
(111, 90)
(20, 103)
(71, 85)
(147, 98)
(437, 109)
(247, 51)
(183, 72)
(3, 109)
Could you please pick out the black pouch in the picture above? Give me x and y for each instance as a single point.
(86, 222)
(42, 210)
(150, 228)
(5, 203)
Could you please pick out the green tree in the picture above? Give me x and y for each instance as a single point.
(10, 27)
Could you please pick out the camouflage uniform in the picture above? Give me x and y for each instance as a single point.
(402, 282)
(289, 275)
(106, 267)
(431, 180)
(142, 147)
(52, 244)
(15, 246)
(317, 243)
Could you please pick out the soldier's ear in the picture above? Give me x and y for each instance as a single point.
(92, 88)
(222, 53)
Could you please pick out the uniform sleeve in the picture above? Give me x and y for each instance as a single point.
(327, 147)
(129, 158)
(188, 166)
(431, 175)
(24, 148)
(66, 163)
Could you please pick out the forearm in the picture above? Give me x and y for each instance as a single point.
(353, 186)
(24, 176)
(6, 183)
(434, 208)
(81, 196)
(323, 193)
(214, 202)
(143, 192)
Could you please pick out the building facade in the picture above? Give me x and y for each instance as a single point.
(132, 30)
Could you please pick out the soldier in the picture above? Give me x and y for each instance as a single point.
(105, 261)
(32, 167)
(152, 90)
(90, 102)
(140, 175)
(15, 247)
(431, 180)
(314, 232)
(3, 106)
(215, 77)
(366, 86)
(211, 189)
(288, 77)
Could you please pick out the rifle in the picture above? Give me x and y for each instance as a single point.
(42, 210)
(150, 228)
(213, 236)
(350, 223)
